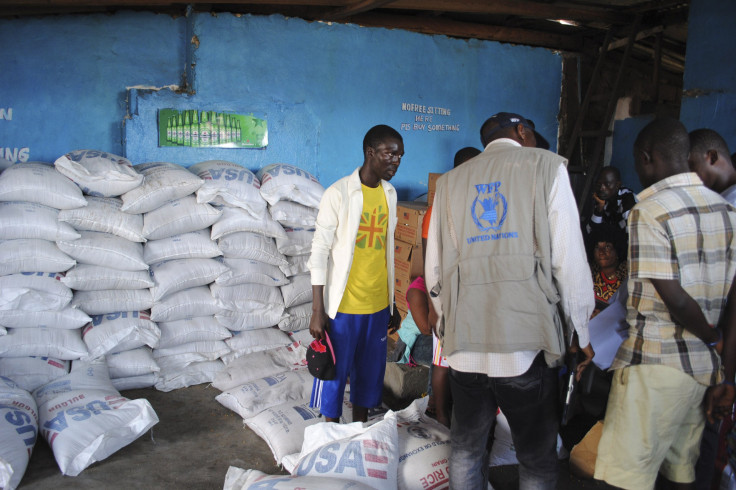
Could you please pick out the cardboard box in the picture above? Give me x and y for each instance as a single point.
(432, 185)
(400, 300)
(409, 226)
(408, 262)
(402, 282)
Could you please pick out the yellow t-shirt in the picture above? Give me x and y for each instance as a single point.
(367, 288)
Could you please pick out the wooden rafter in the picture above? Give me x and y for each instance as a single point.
(356, 8)
(433, 25)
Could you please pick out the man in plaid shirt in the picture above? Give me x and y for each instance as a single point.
(681, 250)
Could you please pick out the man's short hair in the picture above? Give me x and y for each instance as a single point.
(502, 124)
(378, 134)
(612, 170)
(465, 154)
(667, 137)
(704, 139)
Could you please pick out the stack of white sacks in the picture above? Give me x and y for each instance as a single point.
(182, 262)
(247, 294)
(152, 275)
(266, 381)
(293, 197)
(110, 281)
(41, 320)
(34, 304)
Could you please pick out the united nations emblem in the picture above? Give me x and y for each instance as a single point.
(489, 207)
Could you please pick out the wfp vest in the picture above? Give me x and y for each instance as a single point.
(497, 289)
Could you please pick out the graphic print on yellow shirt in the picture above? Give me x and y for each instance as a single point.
(367, 288)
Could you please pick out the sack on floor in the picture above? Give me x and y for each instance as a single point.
(282, 426)
(424, 449)
(261, 364)
(85, 419)
(503, 451)
(18, 432)
(367, 455)
(240, 479)
(31, 372)
(195, 373)
(119, 331)
(135, 382)
(250, 399)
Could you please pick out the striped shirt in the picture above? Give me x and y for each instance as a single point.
(679, 230)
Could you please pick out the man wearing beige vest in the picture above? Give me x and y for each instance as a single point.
(505, 258)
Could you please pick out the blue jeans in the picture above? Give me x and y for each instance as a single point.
(529, 402)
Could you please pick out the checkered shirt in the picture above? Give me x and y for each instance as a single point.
(679, 230)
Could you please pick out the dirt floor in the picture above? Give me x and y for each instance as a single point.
(192, 446)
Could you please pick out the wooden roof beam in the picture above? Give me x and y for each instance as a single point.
(356, 8)
(435, 25)
(523, 8)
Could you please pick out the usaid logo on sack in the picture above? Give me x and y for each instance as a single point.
(489, 207)
(366, 458)
(275, 169)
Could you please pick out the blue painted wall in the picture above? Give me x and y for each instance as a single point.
(63, 79)
(320, 87)
(710, 70)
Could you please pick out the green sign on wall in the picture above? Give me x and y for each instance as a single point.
(210, 129)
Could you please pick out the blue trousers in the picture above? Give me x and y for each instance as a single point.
(359, 342)
(528, 401)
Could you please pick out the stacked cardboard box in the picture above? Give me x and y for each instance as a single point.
(432, 185)
(408, 263)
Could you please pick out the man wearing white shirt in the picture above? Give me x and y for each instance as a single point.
(504, 253)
